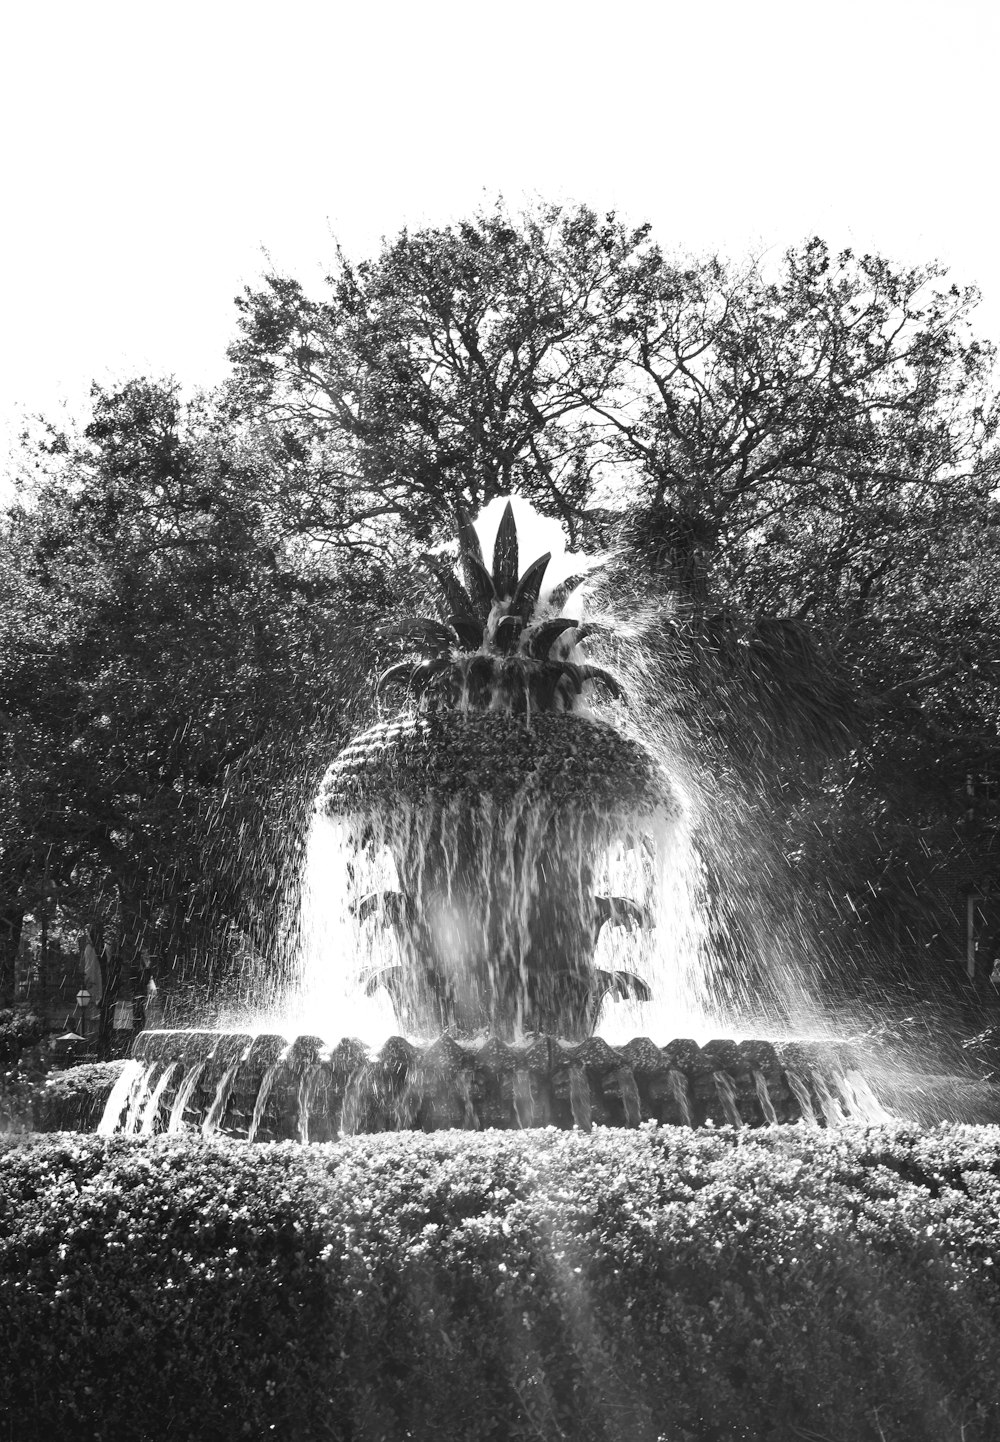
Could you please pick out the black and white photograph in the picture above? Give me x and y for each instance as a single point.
(499, 722)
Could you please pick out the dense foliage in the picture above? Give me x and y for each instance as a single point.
(167, 699)
(794, 466)
(18, 1030)
(21, 1067)
(660, 1284)
(73, 1099)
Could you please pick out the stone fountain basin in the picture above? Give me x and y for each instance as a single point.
(317, 1092)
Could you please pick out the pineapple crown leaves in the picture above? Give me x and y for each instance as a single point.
(490, 613)
(561, 593)
(471, 607)
(505, 557)
(504, 584)
(417, 676)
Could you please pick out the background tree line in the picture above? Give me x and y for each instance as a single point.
(794, 468)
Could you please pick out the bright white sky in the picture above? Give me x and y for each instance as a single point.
(153, 153)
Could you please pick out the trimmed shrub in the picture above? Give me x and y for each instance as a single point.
(661, 1284)
(74, 1099)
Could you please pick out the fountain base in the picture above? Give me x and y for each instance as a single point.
(263, 1087)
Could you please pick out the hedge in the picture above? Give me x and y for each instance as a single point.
(74, 1099)
(68, 1100)
(661, 1285)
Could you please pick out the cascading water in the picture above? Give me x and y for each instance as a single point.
(220, 1100)
(175, 1116)
(264, 1090)
(121, 1094)
(151, 1109)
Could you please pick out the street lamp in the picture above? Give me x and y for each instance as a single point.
(83, 1001)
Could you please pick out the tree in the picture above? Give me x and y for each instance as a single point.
(816, 406)
(458, 365)
(166, 691)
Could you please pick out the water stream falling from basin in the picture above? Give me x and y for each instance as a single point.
(150, 1112)
(184, 1094)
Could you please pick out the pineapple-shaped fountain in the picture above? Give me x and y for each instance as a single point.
(496, 792)
(495, 797)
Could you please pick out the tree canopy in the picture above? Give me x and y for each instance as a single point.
(165, 680)
(792, 462)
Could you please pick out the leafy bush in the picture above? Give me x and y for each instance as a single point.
(17, 1096)
(74, 1099)
(18, 1029)
(21, 1067)
(642, 1285)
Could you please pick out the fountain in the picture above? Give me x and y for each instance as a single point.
(490, 804)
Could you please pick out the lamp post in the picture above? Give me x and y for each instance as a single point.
(83, 1001)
